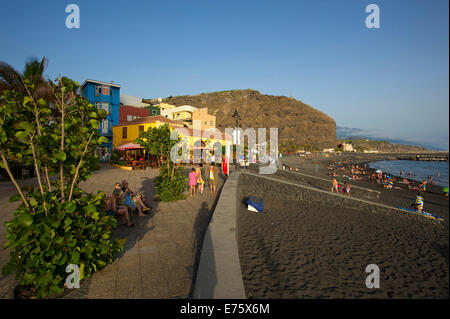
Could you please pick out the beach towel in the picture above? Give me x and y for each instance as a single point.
(255, 204)
(425, 214)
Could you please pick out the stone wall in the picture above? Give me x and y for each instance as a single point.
(318, 182)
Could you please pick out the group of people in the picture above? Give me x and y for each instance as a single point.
(200, 175)
(123, 200)
(345, 189)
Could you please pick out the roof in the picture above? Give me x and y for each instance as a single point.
(99, 82)
(151, 119)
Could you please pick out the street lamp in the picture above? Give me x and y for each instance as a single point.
(237, 118)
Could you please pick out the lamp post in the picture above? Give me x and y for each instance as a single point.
(237, 118)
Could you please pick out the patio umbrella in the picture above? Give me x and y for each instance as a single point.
(129, 146)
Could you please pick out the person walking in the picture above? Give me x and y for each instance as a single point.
(213, 176)
(200, 171)
(192, 182)
(335, 186)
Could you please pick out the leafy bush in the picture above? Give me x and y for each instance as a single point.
(171, 189)
(51, 127)
(42, 245)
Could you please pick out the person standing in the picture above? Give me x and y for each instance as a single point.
(225, 166)
(347, 189)
(419, 202)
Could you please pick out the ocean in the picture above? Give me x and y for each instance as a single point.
(420, 169)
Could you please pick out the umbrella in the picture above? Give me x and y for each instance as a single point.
(129, 146)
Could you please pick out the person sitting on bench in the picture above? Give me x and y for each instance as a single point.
(134, 200)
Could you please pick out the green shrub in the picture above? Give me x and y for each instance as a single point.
(171, 189)
(76, 232)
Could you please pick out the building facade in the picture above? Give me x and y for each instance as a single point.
(105, 96)
(188, 114)
(128, 113)
(128, 132)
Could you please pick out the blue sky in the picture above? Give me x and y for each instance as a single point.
(390, 82)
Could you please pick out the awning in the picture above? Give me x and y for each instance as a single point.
(129, 146)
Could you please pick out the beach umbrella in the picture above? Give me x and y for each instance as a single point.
(129, 146)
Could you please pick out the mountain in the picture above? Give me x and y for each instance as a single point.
(297, 122)
(358, 135)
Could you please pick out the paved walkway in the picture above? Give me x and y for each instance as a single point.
(162, 250)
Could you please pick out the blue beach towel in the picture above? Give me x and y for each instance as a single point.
(256, 203)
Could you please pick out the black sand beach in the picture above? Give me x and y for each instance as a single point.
(304, 249)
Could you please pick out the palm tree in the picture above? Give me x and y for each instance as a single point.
(10, 78)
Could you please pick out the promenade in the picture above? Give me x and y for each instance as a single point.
(161, 254)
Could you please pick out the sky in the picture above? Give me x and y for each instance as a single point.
(389, 82)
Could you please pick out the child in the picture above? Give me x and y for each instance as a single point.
(419, 202)
(347, 189)
(192, 181)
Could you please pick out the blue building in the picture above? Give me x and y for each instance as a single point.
(104, 96)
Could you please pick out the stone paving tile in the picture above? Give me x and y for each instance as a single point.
(159, 256)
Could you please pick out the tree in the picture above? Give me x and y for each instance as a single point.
(58, 224)
(171, 182)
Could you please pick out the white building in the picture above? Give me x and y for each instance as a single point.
(347, 147)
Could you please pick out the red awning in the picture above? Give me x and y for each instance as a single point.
(129, 146)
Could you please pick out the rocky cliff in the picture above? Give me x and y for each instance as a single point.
(297, 123)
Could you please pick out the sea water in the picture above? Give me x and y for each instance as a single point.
(420, 169)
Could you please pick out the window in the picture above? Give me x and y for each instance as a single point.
(105, 90)
(124, 132)
(105, 106)
(110, 108)
(97, 105)
(141, 130)
(104, 126)
(154, 112)
(111, 91)
(129, 118)
(97, 89)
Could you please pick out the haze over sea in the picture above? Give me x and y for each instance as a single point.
(420, 169)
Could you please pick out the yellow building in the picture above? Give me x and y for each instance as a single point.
(188, 115)
(128, 132)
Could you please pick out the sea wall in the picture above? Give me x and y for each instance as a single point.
(219, 273)
(318, 182)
